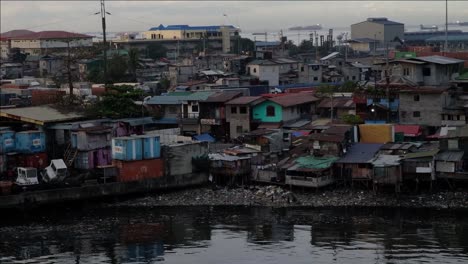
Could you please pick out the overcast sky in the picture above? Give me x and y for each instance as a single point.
(77, 16)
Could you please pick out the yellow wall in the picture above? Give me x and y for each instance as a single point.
(376, 133)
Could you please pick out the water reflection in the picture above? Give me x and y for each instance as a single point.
(236, 235)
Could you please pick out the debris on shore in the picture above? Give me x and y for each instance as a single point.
(276, 196)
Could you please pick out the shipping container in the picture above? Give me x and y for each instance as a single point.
(151, 146)
(7, 141)
(127, 148)
(36, 160)
(88, 160)
(91, 138)
(139, 170)
(30, 142)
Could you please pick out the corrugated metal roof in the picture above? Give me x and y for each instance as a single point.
(340, 102)
(137, 121)
(439, 60)
(422, 154)
(296, 124)
(294, 99)
(165, 100)
(382, 21)
(226, 157)
(221, 97)
(199, 96)
(408, 130)
(262, 62)
(360, 153)
(39, 114)
(450, 156)
(383, 160)
(243, 100)
(311, 162)
(52, 35)
(330, 56)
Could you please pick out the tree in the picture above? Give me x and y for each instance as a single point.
(348, 86)
(118, 102)
(133, 61)
(117, 69)
(291, 47)
(156, 51)
(352, 119)
(242, 45)
(306, 46)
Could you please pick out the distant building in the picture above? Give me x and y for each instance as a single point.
(265, 70)
(186, 32)
(239, 114)
(44, 42)
(379, 29)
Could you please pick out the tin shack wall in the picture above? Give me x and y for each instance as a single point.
(178, 157)
(30, 142)
(89, 141)
(139, 170)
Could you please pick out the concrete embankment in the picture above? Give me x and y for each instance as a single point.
(34, 198)
(281, 197)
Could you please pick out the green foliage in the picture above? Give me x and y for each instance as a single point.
(165, 84)
(352, 119)
(326, 90)
(243, 45)
(348, 86)
(118, 102)
(156, 51)
(117, 69)
(133, 56)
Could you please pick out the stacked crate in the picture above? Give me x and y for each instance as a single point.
(137, 157)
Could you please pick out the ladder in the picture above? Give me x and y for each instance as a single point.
(70, 155)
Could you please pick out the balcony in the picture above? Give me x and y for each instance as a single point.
(189, 118)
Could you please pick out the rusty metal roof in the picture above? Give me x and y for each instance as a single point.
(294, 99)
(222, 97)
(244, 100)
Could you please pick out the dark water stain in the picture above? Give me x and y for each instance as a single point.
(94, 234)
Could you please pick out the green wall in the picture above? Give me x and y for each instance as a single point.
(259, 112)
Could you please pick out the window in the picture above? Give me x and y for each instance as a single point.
(416, 114)
(248, 70)
(255, 70)
(426, 71)
(302, 68)
(233, 109)
(354, 78)
(340, 63)
(239, 129)
(458, 117)
(315, 78)
(270, 110)
(416, 98)
(243, 110)
(194, 108)
(406, 71)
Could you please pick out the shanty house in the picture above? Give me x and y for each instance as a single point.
(387, 170)
(310, 171)
(229, 170)
(356, 165)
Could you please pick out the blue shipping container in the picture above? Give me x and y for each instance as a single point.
(7, 141)
(30, 142)
(151, 147)
(127, 148)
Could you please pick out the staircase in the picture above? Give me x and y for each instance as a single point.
(70, 155)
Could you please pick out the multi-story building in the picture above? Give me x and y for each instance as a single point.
(239, 114)
(377, 29)
(45, 42)
(186, 32)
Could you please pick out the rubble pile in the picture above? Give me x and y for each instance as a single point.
(276, 196)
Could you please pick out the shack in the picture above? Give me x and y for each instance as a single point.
(229, 170)
(450, 165)
(387, 171)
(310, 171)
(356, 165)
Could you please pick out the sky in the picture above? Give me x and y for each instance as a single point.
(137, 16)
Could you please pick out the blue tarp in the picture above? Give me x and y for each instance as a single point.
(204, 138)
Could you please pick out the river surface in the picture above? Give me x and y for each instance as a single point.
(235, 235)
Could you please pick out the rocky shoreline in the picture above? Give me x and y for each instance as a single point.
(275, 196)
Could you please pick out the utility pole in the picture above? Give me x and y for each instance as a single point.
(446, 26)
(103, 18)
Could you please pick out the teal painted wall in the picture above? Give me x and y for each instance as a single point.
(259, 112)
